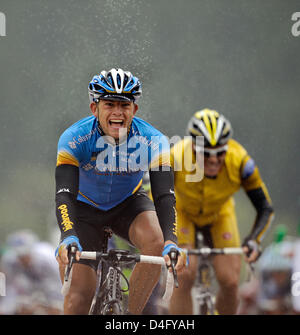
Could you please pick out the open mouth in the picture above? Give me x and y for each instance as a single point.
(213, 166)
(116, 123)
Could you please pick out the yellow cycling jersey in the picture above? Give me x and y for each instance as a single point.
(201, 201)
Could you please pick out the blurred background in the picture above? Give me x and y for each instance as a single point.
(236, 56)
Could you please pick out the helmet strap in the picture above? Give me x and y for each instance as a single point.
(98, 123)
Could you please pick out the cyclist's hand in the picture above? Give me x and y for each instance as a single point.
(61, 252)
(182, 258)
(252, 250)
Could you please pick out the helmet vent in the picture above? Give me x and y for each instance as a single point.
(118, 80)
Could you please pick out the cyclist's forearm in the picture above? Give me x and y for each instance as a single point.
(261, 225)
(66, 177)
(162, 187)
(264, 215)
(65, 214)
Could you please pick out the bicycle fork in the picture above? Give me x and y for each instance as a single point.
(204, 298)
(108, 294)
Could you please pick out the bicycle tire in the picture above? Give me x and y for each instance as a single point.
(96, 307)
(203, 309)
(207, 307)
(211, 307)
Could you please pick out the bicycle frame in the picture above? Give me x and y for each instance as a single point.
(108, 295)
(204, 298)
(107, 299)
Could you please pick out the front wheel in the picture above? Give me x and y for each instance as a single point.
(204, 309)
(96, 306)
(208, 307)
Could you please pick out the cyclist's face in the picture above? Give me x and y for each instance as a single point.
(25, 260)
(213, 160)
(213, 164)
(114, 116)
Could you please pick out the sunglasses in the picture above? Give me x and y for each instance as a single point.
(212, 152)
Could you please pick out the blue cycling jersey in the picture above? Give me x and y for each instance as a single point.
(108, 174)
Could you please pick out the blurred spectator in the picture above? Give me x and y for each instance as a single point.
(32, 279)
(270, 292)
(296, 275)
(275, 270)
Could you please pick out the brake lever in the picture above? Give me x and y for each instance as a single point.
(71, 256)
(173, 254)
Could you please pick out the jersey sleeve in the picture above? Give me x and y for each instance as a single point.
(68, 150)
(250, 175)
(259, 196)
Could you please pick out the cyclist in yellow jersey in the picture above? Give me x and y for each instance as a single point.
(209, 204)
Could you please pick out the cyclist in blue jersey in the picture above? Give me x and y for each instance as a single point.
(100, 165)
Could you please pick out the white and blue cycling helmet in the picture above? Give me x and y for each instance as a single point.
(21, 241)
(115, 84)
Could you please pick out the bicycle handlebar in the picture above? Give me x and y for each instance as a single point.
(220, 251)
(126, 257)
(121, 256)
(94, 255)
(214, 251)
